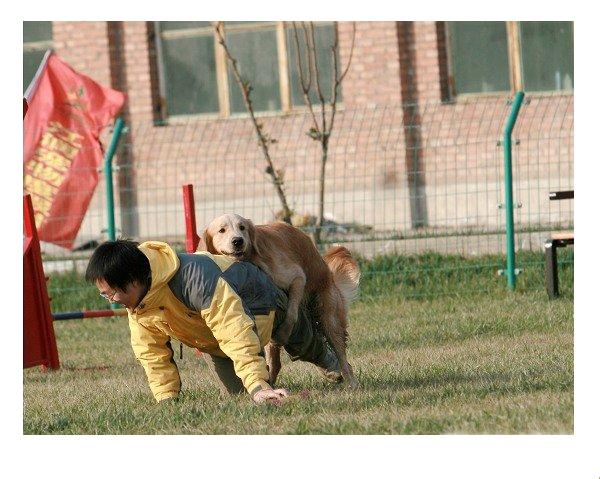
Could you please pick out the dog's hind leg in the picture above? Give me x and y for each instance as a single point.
(334, 324)
(273, 359)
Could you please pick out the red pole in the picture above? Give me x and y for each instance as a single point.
(191, 236)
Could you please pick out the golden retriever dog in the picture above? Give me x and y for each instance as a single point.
(294, 264)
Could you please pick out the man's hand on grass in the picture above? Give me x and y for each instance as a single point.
(270, 396)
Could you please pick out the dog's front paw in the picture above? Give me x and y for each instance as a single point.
(282, 334)
(285, 330)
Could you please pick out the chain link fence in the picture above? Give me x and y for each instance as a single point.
(415, 191)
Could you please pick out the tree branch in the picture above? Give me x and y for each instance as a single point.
(313, 51)
(305, 87)
(338, 81)
(276, 176)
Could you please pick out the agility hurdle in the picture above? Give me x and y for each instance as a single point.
(191, 243)
(191, 234)
(39, 342)
(100, 313)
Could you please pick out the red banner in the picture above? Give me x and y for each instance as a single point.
(39, 342)
(66, 113)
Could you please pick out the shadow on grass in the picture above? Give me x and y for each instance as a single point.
(443, 385)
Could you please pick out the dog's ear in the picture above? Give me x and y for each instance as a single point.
(201, 244)
(208, 243)
(252, 235)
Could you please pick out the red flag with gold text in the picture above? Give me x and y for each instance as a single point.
(61, 152)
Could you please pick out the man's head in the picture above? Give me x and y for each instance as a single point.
(120, 271)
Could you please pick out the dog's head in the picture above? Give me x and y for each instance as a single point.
(230, 235)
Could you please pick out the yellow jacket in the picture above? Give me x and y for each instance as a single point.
(215, 320)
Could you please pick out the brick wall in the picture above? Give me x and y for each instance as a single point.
(374, 75)
(137, 66)
(374, 144)
(84, 46)
(426, 55)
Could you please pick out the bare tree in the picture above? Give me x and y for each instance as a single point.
(264, 139)
(310, 82)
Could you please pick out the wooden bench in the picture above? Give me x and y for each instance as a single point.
(556, 240)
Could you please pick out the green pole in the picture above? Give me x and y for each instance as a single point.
(508, 191)
(108, 177)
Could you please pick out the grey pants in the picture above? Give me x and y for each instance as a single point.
(305, 343)
(222, 370)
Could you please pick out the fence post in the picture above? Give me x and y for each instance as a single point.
(508, 191)
(108, 178)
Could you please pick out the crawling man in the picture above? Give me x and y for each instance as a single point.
(225, 308)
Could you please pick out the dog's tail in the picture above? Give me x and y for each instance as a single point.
(346, 273)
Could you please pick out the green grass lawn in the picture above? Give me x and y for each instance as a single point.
(485, 362)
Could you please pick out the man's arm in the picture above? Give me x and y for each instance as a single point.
(237, 337)
(153, 349)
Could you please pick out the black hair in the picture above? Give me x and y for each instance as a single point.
(119, 263)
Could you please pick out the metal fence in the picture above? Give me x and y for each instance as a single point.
(408, 181)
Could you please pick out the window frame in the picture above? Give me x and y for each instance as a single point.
(515, 61)
(222, 76)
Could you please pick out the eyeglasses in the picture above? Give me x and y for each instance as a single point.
(109, 296)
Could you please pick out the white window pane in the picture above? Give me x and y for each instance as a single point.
(189, 71)
(479, 53)
(547, 55)
(256, 53)
(37, 31)
(33, 54)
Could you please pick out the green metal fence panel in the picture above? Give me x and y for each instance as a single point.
(412, 190)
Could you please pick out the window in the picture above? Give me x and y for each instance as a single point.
(547, 50)
(189, 74)
(508, 56)
(479, 55)
(37, 38)
(197, 79)
(254, 46)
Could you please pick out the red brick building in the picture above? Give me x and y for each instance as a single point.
(415, 143)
